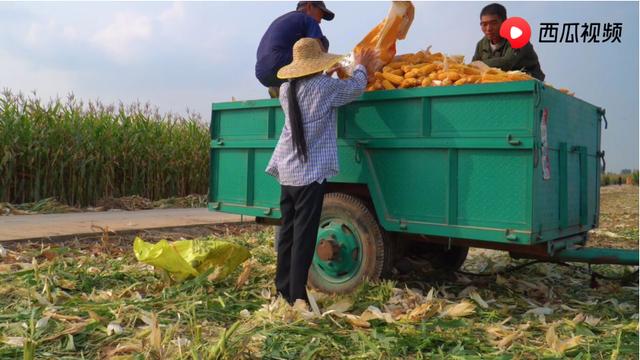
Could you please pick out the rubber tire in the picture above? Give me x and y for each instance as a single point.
(376, 249)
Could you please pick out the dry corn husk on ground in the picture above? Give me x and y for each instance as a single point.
(91, 297)
(94, 298)
(425, 69)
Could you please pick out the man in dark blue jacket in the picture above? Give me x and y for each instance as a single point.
(276, 47)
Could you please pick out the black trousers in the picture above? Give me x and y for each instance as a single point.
(300, 207)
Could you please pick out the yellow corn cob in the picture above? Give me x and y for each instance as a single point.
(494, 78)
(425, 70)
(387, 85)
(451, 75)
(435, 57)
(397, 64)
(458, 59)
(493, 71)
(473, 79)
(408, 83)
(420, 57)
(468, 70)
(394, 79)
(411, 74)
(461, 81)
(454, 66)
(407, 68)
(414, 59)
(518, 76)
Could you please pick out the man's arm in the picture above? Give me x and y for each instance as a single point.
(476, 55)
(312, 30)
(510, 58)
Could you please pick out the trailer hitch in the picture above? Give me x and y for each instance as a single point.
(602, 112)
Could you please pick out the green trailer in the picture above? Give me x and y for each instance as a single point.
(431, 171)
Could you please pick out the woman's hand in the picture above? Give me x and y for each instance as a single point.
(334, 68)
(366, 57)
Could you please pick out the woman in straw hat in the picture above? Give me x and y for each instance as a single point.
(307, 154)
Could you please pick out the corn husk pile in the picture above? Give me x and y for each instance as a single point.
(424, 69)
(133, 202)
(44, 206)
(129, 203)
(189, 201)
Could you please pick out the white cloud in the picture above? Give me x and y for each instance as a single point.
(33, 34)
(69, 32)
(121, 38)
(42, 35)
(39, 32)
(173, 13)
(26, 76)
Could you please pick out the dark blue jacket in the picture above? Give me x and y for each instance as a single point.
(276, 47)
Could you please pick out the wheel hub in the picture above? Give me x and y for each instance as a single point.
(328, 249)
(338, 251)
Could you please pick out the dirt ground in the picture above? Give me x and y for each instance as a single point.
(618, 218)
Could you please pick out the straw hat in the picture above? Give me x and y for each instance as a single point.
(308, 58)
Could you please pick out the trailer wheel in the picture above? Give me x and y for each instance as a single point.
(351, 246)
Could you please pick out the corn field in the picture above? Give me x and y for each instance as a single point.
(82, 152)
(619, 179)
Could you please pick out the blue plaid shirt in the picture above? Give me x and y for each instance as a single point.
(319, 97)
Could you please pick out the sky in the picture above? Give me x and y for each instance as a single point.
(180, 56)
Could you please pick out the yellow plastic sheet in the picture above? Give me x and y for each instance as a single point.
(186, 258)
(384, 36)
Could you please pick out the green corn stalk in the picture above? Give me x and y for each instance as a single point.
(81, 152)
(218, 351)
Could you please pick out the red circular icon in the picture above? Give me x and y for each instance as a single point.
(517, 31)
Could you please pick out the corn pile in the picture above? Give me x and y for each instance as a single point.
(424, 69)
